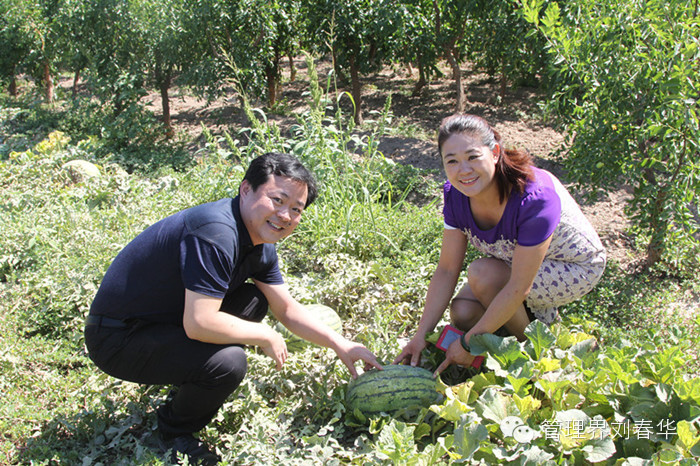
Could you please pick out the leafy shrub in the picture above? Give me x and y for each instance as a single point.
(626, 88)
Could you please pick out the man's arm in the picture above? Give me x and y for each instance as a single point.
(204, 322)
(296, 318)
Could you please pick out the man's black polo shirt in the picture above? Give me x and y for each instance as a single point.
(205, 248)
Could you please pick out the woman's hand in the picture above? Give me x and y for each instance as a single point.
(455, 355)
(411, 351)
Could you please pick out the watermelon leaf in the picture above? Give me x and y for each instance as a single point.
(504, 350)
(495, 406)
(469, 433)
(541, 337)
(395, 442)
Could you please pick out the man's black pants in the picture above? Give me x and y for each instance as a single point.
(162, 354)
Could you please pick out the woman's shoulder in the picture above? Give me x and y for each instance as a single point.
(541, 188)
(541, 179)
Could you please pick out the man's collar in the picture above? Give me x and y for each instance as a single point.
(243, 235)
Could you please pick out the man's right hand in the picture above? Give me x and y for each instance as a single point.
(276, 348)
(411, 352)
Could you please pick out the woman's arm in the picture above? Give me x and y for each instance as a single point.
(440, 291)
(526, 263)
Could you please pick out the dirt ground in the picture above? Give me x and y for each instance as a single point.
(514, 116)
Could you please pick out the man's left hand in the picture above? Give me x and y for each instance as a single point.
(350, 351)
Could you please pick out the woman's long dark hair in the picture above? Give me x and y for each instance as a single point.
(514, 166)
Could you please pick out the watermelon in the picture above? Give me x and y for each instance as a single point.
(321, 313)
(391, 390)
(81, 170)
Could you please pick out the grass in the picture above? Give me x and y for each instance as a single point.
(364, 248)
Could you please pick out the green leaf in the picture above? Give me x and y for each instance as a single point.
(599, 449)
(548, 365)
(555, 390)
(535, 456)
(468, 436)
(495, 405)
(688, 437)
(451, 409)
(688, 390)
(396, 442)
(527, 405)
(504, 350)
(518, 384)
(483, 380)
(540, 336)
(667, 457)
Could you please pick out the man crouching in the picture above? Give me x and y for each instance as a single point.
(174, 307)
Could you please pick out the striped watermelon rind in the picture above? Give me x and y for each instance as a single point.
(324, 313)
(394, 389)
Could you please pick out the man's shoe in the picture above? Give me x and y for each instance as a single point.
(196, 451)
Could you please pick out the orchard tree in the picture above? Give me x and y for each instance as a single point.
(72, 29)
(417, 43)
(360, 34)
(451, 20)
(15, 43)
(502, 43)
(239, 38)
(268, 31)
(35, 21)
(627, 88)
(116, 52)
(169, 48)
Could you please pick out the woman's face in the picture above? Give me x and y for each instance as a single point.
(470, 166)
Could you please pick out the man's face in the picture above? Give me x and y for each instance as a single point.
(273, 211)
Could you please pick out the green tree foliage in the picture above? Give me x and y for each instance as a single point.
(30, 28)
(272, 30)
(72, 29)
(169, 47)
(15, 43)
(360, 34)
(244, 40)
(417, 41)
(627, 89)
(116, 52)
(451, 27)
(500, 41)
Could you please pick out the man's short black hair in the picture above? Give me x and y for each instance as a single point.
(280, 164)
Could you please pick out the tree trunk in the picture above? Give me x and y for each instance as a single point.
(660, 222)
(356, 90)
(271, 86)
(48, 80)
(292, 68)
(12, 88)
(272, 72)
(461, 103)
(504, 85)
(76, 80)
(164, 85)
(420, 84)
(655, 248)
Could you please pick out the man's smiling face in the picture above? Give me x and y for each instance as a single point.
(273, 211)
